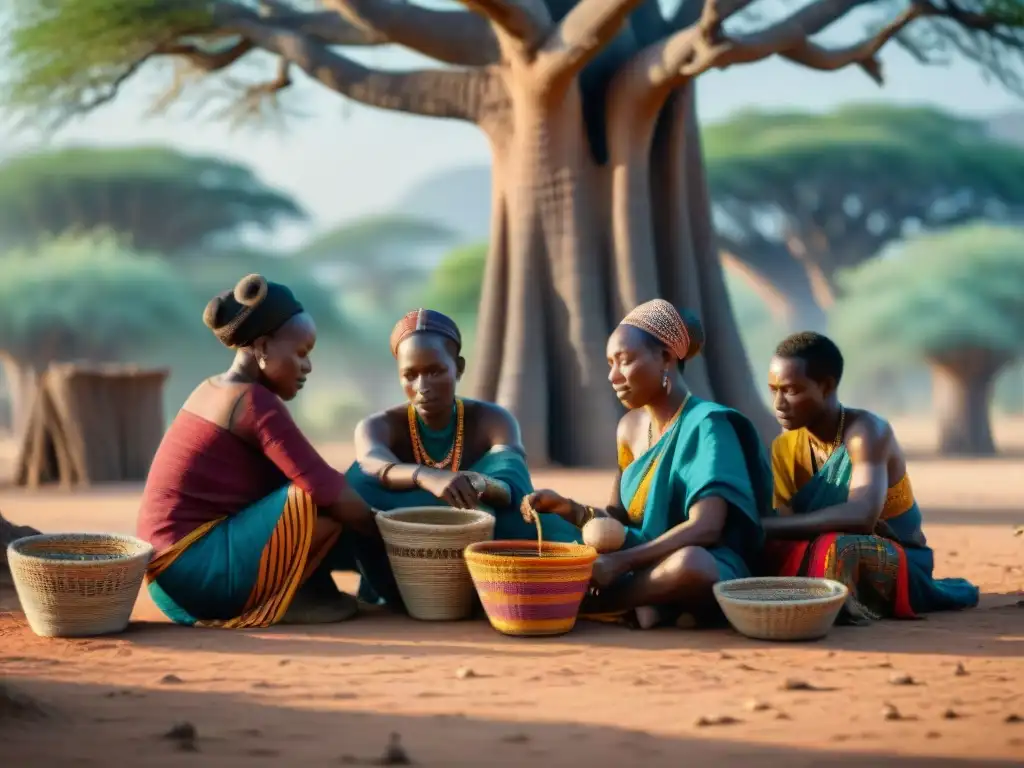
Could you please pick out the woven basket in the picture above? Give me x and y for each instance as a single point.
(529, 595)
(781, 608)
(425, 545)
(78, 584)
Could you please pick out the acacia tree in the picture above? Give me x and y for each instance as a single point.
(599, 195)
(954, 300)
(380, 256)
(161, 199)
(75, 299)
(799, 197)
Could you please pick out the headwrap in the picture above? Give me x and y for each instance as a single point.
(424, 321)
(254, 308)
(681, 333)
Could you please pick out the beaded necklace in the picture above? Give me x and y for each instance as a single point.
(453, 458)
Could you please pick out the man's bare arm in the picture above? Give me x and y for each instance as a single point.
(868, 444)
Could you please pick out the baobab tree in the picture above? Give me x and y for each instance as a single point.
(953, 300)
(599, 196)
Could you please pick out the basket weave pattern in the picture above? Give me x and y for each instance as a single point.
(781, 608)
(78, 584)
(425, 548)
(527, 595)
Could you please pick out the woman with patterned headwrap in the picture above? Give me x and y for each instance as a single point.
(247, 519)
(440, 449)
(693, 480)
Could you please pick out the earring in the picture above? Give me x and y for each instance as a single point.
(666, 384)
(262, 362)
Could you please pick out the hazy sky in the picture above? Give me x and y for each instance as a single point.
(344, 160)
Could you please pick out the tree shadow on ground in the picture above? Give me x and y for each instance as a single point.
(91, 725)
(992, 630)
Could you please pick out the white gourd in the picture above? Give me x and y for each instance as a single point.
(605, 534)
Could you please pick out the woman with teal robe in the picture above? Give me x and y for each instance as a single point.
(441, 450)
(693, 483)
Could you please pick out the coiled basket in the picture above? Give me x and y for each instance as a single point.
(425, 546)
(78, 584)
(526, 593)
(781, 608)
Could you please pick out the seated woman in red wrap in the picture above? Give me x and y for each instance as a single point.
(246, 518)
(845, 508)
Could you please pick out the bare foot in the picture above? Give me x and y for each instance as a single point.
(648, 617)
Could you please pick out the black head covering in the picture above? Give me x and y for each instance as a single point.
(254, 308)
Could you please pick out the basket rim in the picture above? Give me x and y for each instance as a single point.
(841, 591)
(476, 518)
(476, 552)
(14, 549)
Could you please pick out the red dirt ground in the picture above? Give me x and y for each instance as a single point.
(602, 696)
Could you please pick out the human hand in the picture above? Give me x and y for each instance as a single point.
(608, 569)
(455, 488)
(546, 501)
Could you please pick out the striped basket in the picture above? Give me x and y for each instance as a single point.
(526, 594)
(78, 584)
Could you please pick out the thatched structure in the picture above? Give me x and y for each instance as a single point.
(92, 424)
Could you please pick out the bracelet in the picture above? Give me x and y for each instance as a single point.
(415, 474)
(382, 473)
(591, 514)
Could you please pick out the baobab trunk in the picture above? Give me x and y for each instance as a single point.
(963, 384)
(552, 328)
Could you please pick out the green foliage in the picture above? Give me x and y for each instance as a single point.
(961, 289)
(90, 298)
(455, 285)
(66, 56)
(164, 200)
(211, 273)
(763, 157)
(371, 240)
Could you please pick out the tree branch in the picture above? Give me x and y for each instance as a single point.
(865, 53)
(453, 94)
(322, 26)
(454, 37)
(525, 22)
(676, 59)
(584, 31)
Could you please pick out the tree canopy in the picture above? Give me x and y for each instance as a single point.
(209, 274)
(800, 196)
(939, 295)
(89, 298)
(161, 199)
(599, 188)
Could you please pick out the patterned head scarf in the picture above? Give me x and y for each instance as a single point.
(424, 321)
(681, 333)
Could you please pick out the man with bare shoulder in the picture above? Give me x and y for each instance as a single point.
(844, 505)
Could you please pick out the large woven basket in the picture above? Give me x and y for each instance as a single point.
(527, 594)
(78, 584)
(781, 608)
(425, 546)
